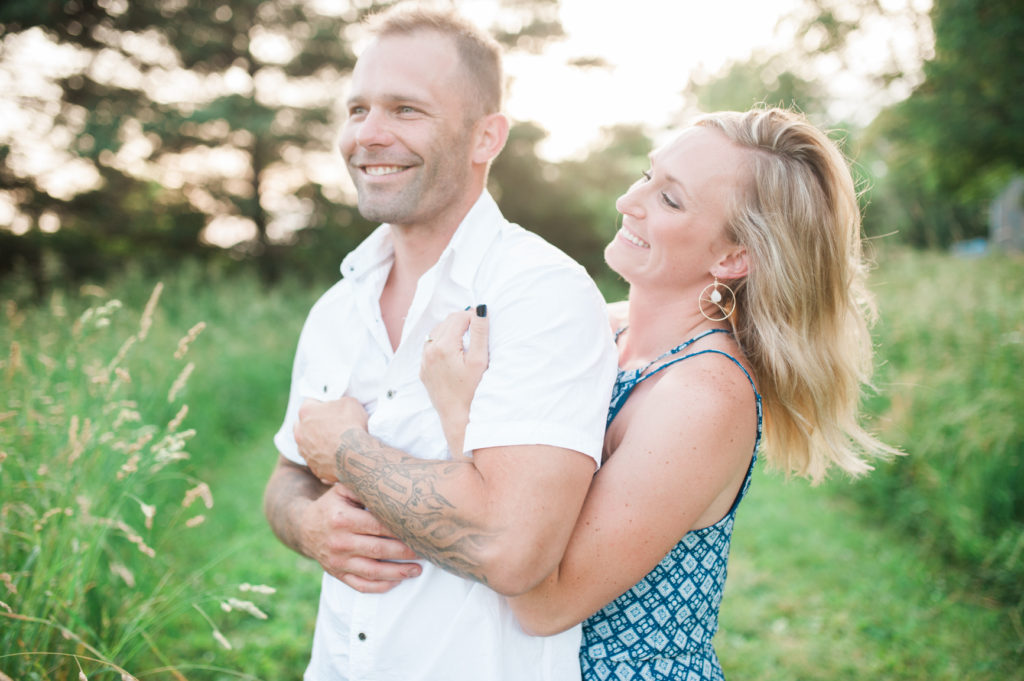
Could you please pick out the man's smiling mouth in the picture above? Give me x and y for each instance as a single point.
(378, 171)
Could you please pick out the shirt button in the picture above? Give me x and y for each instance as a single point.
(389, 394)
(362, 636)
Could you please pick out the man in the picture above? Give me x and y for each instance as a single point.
(424, 124)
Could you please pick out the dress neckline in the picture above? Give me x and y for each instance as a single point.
(635, 374)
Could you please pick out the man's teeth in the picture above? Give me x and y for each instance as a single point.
(634, 239)
(383, 170)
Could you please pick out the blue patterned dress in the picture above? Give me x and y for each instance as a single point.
(662, 627)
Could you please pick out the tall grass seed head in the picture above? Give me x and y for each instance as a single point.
(187, 340)
(146, 321)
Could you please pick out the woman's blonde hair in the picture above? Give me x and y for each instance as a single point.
(803, 310)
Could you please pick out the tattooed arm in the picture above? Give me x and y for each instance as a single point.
(501, 518)
(328, 525)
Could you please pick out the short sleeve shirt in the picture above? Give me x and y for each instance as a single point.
(552, 364)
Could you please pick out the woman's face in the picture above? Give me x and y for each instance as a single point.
(674, 216)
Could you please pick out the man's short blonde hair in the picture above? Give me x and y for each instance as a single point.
(479, 53)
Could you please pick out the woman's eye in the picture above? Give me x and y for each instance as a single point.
(669, 202)
(646, 175)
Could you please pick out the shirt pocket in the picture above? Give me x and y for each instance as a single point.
(405, 419)
(325, 380)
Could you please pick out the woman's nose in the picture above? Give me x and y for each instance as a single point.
(627, 204)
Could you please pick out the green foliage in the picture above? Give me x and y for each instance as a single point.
(950, 340)
(933, 161)
(256, 82)
(571, 204)
(820, 588)
(107, 110)
(761, 80)
(952, 145)
(966, 115)
(99, 500)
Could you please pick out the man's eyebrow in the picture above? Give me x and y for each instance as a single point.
(390, 99)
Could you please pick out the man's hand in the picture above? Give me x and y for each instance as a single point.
(329, 525)
(352, 545)
(319, 429)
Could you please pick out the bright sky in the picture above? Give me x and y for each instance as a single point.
(653, 46)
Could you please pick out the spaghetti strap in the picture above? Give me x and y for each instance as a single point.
(627, 380)
(678, 349)
(705, 352)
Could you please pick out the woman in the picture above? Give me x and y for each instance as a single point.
(741, 247)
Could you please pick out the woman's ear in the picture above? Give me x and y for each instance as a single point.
(491, 135)
(733, 265)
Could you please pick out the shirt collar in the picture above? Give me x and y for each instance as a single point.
(465, 250)
(374, 251)
(471, 240)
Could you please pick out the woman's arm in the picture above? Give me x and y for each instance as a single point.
(680, 463)
(684, 449)
(452, 373)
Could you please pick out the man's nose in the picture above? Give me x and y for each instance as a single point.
(374, 129)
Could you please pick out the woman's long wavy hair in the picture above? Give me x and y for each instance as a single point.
(803, 311)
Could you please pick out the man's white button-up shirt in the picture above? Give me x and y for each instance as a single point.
(549, 378)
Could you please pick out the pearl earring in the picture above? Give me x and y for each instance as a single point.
(715, 298)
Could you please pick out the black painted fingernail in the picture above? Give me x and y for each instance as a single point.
(468, 306)
(481, 310)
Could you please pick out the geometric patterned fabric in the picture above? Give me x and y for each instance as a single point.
(661, 629)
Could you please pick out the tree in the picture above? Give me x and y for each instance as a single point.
(823, 71)
(949, 131)
(760, 80)
(572, 203)
(190, 119)
(952, 145)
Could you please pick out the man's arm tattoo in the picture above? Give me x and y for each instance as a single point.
(403, 492)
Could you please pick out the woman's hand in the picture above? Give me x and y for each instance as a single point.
(452, 372)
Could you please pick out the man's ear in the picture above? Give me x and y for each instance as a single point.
(734, 264)
(491, 135)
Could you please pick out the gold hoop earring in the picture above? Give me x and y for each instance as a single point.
(715, 297)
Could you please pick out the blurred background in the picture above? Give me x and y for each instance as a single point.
(169, 186)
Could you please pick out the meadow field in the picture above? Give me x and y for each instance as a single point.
(135, 439)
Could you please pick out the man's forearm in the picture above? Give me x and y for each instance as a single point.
(409, 496)
(288, 492)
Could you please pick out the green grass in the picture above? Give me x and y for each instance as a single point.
(951, 347)
(819, 591)
(844, 581)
